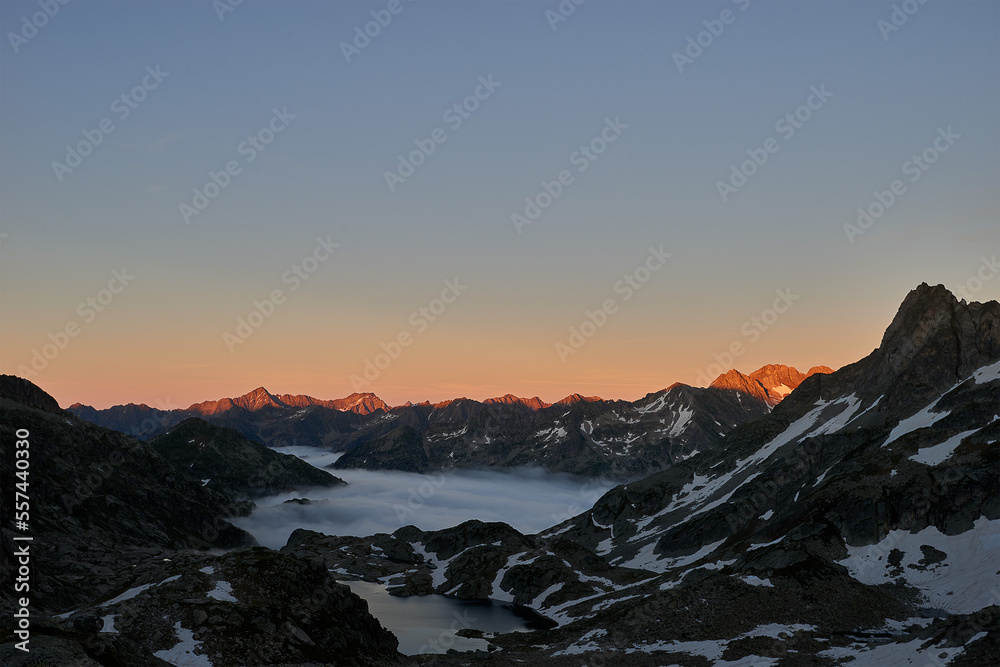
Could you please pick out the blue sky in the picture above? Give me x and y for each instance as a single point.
(324, 174)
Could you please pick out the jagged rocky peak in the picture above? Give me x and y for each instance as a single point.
(445, 403)
(363, 403)
(577, 398)
(254, 400)
(770, 383)
(260, 398)
(932, 324)
(534, 402)
(933, 342)
(257, 399)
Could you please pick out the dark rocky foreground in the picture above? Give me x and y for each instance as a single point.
(858, 523)
(137, 556)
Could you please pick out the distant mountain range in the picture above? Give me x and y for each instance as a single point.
(580, 434)
(770, 383)
(260, 398)
(857, 522)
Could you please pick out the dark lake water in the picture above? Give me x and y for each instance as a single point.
(428, 623)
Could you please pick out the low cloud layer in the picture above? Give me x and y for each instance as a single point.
(528, 499)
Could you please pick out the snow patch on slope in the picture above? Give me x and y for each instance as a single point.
(932, 456)
(987, 373)
(132, 592)
(955, 584)
(183, 652)
(922, 419)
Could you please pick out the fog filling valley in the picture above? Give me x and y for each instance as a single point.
(528, 499)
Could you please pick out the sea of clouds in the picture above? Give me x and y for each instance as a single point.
(529, 499)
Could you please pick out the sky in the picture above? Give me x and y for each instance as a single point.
(197, 199)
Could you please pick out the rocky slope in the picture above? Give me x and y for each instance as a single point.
(248, 607)
(126, 550)
(596, 438)
(98, 499)
(474, 560)
(223, 460)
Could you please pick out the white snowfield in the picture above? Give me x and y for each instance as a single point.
(928, 416)
(109, 624)
(182, 653)
(704, 493)
(923, 419)
(909, 654)
(132, 592)
(987, 373)
(223, 591)
(963, 582)
(711, 649)
(940, 453)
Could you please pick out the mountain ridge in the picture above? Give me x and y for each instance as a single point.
(366, 403)
(770, 383)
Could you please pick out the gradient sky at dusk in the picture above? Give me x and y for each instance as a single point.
(160, 340)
